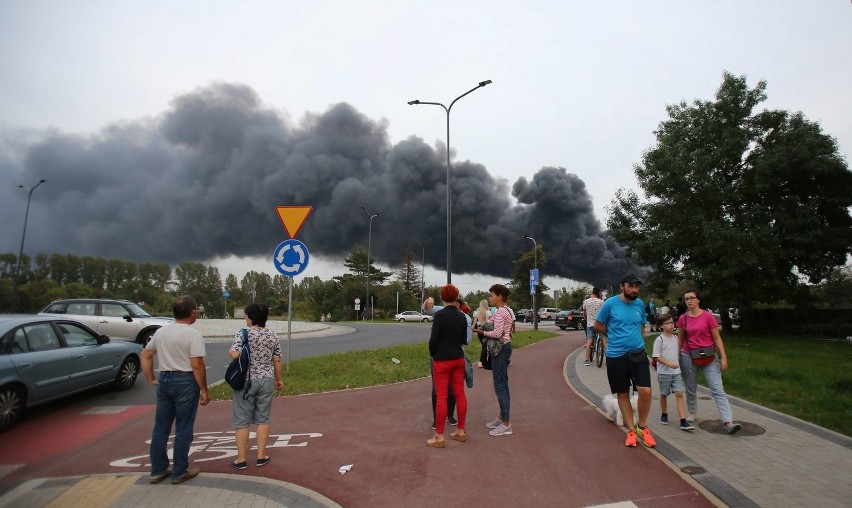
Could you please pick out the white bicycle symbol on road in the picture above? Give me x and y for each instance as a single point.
(209, 446)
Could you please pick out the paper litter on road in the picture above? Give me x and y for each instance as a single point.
(345, 469)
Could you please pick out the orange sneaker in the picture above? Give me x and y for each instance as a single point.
(646, 437)
(631, 438)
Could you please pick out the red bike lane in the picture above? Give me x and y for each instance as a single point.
(563, 451)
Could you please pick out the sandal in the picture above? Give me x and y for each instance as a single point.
(435, 443)
(459, 436)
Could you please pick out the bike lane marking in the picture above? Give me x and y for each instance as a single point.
(58, 432)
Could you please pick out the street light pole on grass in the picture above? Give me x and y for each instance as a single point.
(23, 236)
(449, 203)
(369, 239)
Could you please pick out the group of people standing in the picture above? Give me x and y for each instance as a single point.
(182, 387)
(451, 330)
(698, 346)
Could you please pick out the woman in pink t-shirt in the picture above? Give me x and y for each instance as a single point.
(699, 329)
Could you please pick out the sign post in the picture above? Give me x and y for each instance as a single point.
(291, 256)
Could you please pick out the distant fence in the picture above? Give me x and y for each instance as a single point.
(814, 322)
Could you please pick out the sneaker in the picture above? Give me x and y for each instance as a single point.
(502, 430)
(631, 438)
(664, 419)
(494, 424)
(686, 426)
(239, 465)
(692, 418)
(733, 428)
(647, 439)
(452, 421)
(586, 363)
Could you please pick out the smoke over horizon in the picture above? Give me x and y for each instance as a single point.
(202, 180)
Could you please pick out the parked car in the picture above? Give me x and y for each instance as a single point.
(412, 315)
(547, 313)
(47, 358)
(117, 319)
(521, 315)
(569, 319)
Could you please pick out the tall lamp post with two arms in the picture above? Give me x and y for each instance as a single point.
(449, 202)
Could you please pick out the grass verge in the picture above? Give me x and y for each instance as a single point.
(807, 378)
(358, 369)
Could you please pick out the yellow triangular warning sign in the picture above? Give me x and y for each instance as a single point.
(293, 217)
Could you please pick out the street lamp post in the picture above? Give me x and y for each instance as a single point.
(24, 233)
(423, 273)
(449, 203)
(535, 266)
(369, 239)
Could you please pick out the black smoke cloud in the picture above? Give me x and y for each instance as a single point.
(202, 181)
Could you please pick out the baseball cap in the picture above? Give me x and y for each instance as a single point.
(631, 278)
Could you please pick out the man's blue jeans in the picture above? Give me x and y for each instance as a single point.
(500, 375)
(177, 401)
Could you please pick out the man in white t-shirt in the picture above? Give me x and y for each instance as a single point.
(590, 309)
(181, 387)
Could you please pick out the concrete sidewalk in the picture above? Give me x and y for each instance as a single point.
(776, 460)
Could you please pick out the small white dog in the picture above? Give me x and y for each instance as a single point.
(613, 412)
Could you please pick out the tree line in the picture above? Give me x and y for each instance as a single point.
(49, 277)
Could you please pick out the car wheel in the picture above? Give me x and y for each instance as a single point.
(402, 320)
(12, 405)
(146, 337)
(424, 320)
(126, 374)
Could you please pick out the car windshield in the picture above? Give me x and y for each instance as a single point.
(137, 311)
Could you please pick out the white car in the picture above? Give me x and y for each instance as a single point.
(117, 319)
(412, 315)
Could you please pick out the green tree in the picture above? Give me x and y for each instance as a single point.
(409, 273)
(747, 205)
(202, 282)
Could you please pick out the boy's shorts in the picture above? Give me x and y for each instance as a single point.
(590, 331)
(670, 383)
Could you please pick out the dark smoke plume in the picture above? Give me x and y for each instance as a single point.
(202, 181)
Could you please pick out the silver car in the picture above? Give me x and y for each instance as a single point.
(412, 315)
(46, 358)
(117, 319)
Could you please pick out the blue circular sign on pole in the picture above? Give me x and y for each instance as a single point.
(226, 294)
(291, 257)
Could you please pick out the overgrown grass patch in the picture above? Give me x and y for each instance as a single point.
(358, 369)
(807, 378)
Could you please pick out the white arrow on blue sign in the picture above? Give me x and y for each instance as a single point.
(291, 257)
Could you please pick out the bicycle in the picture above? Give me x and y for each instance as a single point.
(597, 349)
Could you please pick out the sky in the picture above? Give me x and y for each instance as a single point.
(169, 131)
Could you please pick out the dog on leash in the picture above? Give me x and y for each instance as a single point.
(613, 412)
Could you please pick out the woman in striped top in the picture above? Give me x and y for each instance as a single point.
(503, 322)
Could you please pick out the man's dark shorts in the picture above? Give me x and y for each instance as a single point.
(620, 370)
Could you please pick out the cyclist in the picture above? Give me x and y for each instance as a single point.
(590, 309)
